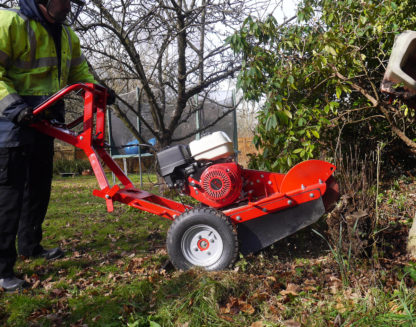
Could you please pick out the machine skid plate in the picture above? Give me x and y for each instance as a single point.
(256, 234)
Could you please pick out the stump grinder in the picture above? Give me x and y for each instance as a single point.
(239, 210)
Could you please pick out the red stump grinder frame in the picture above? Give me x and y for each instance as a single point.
(271, 206)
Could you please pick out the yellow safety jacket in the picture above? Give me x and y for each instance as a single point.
(29, 66)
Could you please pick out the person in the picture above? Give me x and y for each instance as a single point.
(39, 55)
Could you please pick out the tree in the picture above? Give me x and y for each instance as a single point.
(173, 48)
(319, 74)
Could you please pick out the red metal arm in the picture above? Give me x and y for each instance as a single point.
(59, 95)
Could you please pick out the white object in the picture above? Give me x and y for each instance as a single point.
(212, 147)
(402, 64)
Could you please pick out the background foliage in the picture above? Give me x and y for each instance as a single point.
(318, 75)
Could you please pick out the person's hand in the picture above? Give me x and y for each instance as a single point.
(111, 96)
(25, 117)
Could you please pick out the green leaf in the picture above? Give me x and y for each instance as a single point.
(298, 150)
(271, 123)
(288, 113)
(330, 50)
(315, 133)
(339, 92)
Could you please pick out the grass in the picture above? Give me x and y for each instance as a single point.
(113, 275)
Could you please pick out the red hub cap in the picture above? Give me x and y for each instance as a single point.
(203, 244)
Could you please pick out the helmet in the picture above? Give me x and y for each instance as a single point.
(63, 11)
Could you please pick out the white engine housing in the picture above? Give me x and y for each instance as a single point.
(212, 147)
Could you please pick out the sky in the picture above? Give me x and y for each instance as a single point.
(286, 10)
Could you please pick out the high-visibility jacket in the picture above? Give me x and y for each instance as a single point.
(29, 69)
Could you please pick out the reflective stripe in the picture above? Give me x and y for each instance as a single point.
(42, 62)
(4, 57)
(77, 61)
(8, 100)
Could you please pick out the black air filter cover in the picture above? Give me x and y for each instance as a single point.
(173, 157)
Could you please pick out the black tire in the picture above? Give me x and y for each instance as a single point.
(202, 237)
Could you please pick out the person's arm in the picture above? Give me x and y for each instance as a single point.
(11, 104)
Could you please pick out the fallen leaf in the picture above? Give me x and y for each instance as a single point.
(257, 324)
(227, 318)
(260, 296)
(291, 323)
(310, 282)
(247, 308)
(340, 308)
(291, 289)
(36, 284)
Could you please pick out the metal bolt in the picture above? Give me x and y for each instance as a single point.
(196, 249)
(212, 241)
(250, 192)
(107, 196)
(258, 181)
(251, 183)
(289, 202)
(175, 216)
(209, 253)
(320, 181)
(196, 192)
(262, 176)
(238, 218)
(264, 210)
(269, 182)
(303, 187)
(81, 138)
(311, 195)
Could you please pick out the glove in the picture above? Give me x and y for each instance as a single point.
(25, 117)
(111, 96)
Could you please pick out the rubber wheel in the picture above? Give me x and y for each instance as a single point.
(202, 237)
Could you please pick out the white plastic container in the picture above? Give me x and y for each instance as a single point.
(212, 147)
(402, 64)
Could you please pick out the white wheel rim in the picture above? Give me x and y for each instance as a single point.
(202, 245)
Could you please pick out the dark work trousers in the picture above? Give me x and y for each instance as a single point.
(25, 186)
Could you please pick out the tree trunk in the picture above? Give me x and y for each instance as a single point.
(411, 245)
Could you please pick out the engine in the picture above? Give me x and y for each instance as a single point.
(204, 170)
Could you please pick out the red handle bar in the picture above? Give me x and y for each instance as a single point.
(59, 95)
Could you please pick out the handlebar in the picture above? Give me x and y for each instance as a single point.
(89, 87)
